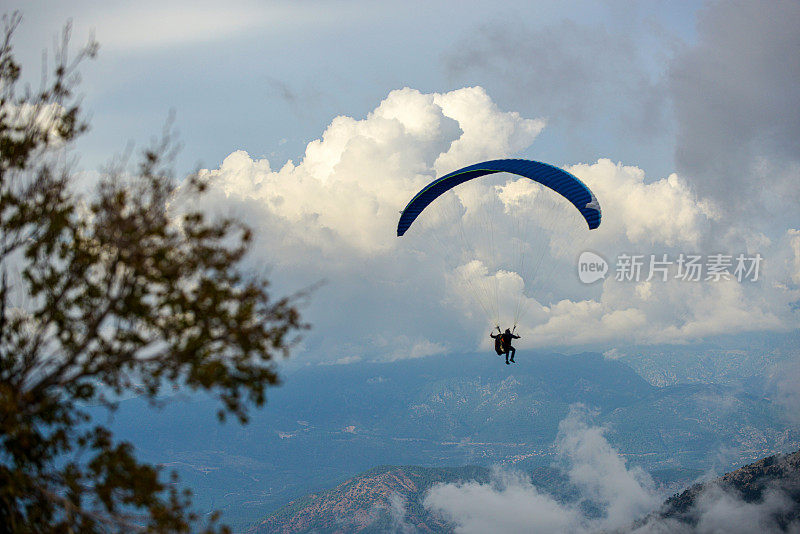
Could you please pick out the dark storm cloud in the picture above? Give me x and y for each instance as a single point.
(569, 73)
(737, 101)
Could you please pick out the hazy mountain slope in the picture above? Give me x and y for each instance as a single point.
(679, 423)
(390, 499)
(775, 478)
(383, 499)
(728, 359)
(327, 423)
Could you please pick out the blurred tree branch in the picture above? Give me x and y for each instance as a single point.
(127, 286)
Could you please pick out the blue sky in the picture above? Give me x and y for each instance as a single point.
(317, 121)
(267, 77)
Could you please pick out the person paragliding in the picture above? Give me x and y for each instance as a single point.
(481, 267)
(502, 344)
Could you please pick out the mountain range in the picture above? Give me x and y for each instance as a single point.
(327, 423)
(390, 499)
(775, 478)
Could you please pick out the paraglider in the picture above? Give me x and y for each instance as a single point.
(559, 180)
(525, 222)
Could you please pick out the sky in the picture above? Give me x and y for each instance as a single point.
(316, 122)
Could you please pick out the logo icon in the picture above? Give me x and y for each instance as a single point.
(591, 267)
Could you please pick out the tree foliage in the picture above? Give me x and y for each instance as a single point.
(127, 289)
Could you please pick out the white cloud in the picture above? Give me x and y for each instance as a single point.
(666, 312)
(597, 469)
(666, 217)
(488, 132)
(511, 503)
(332, 215)
(351, 183)
(664, 212)
(397, 514)
(721, 511)
(624, 494)
(717, 509)
(596, 323)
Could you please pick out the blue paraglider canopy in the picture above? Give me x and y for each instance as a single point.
(559, 180)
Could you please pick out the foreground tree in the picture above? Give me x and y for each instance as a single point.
(126, 289)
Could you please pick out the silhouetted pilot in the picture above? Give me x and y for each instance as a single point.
(502, 344)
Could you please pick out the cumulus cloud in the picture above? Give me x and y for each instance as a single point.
(332, 216)
(651, 219)
(666, 211)
(603, 477)
(665, 312)
(622, 495)
(512, 503)
(351, 183)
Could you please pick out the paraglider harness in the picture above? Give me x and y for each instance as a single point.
(498, 341)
